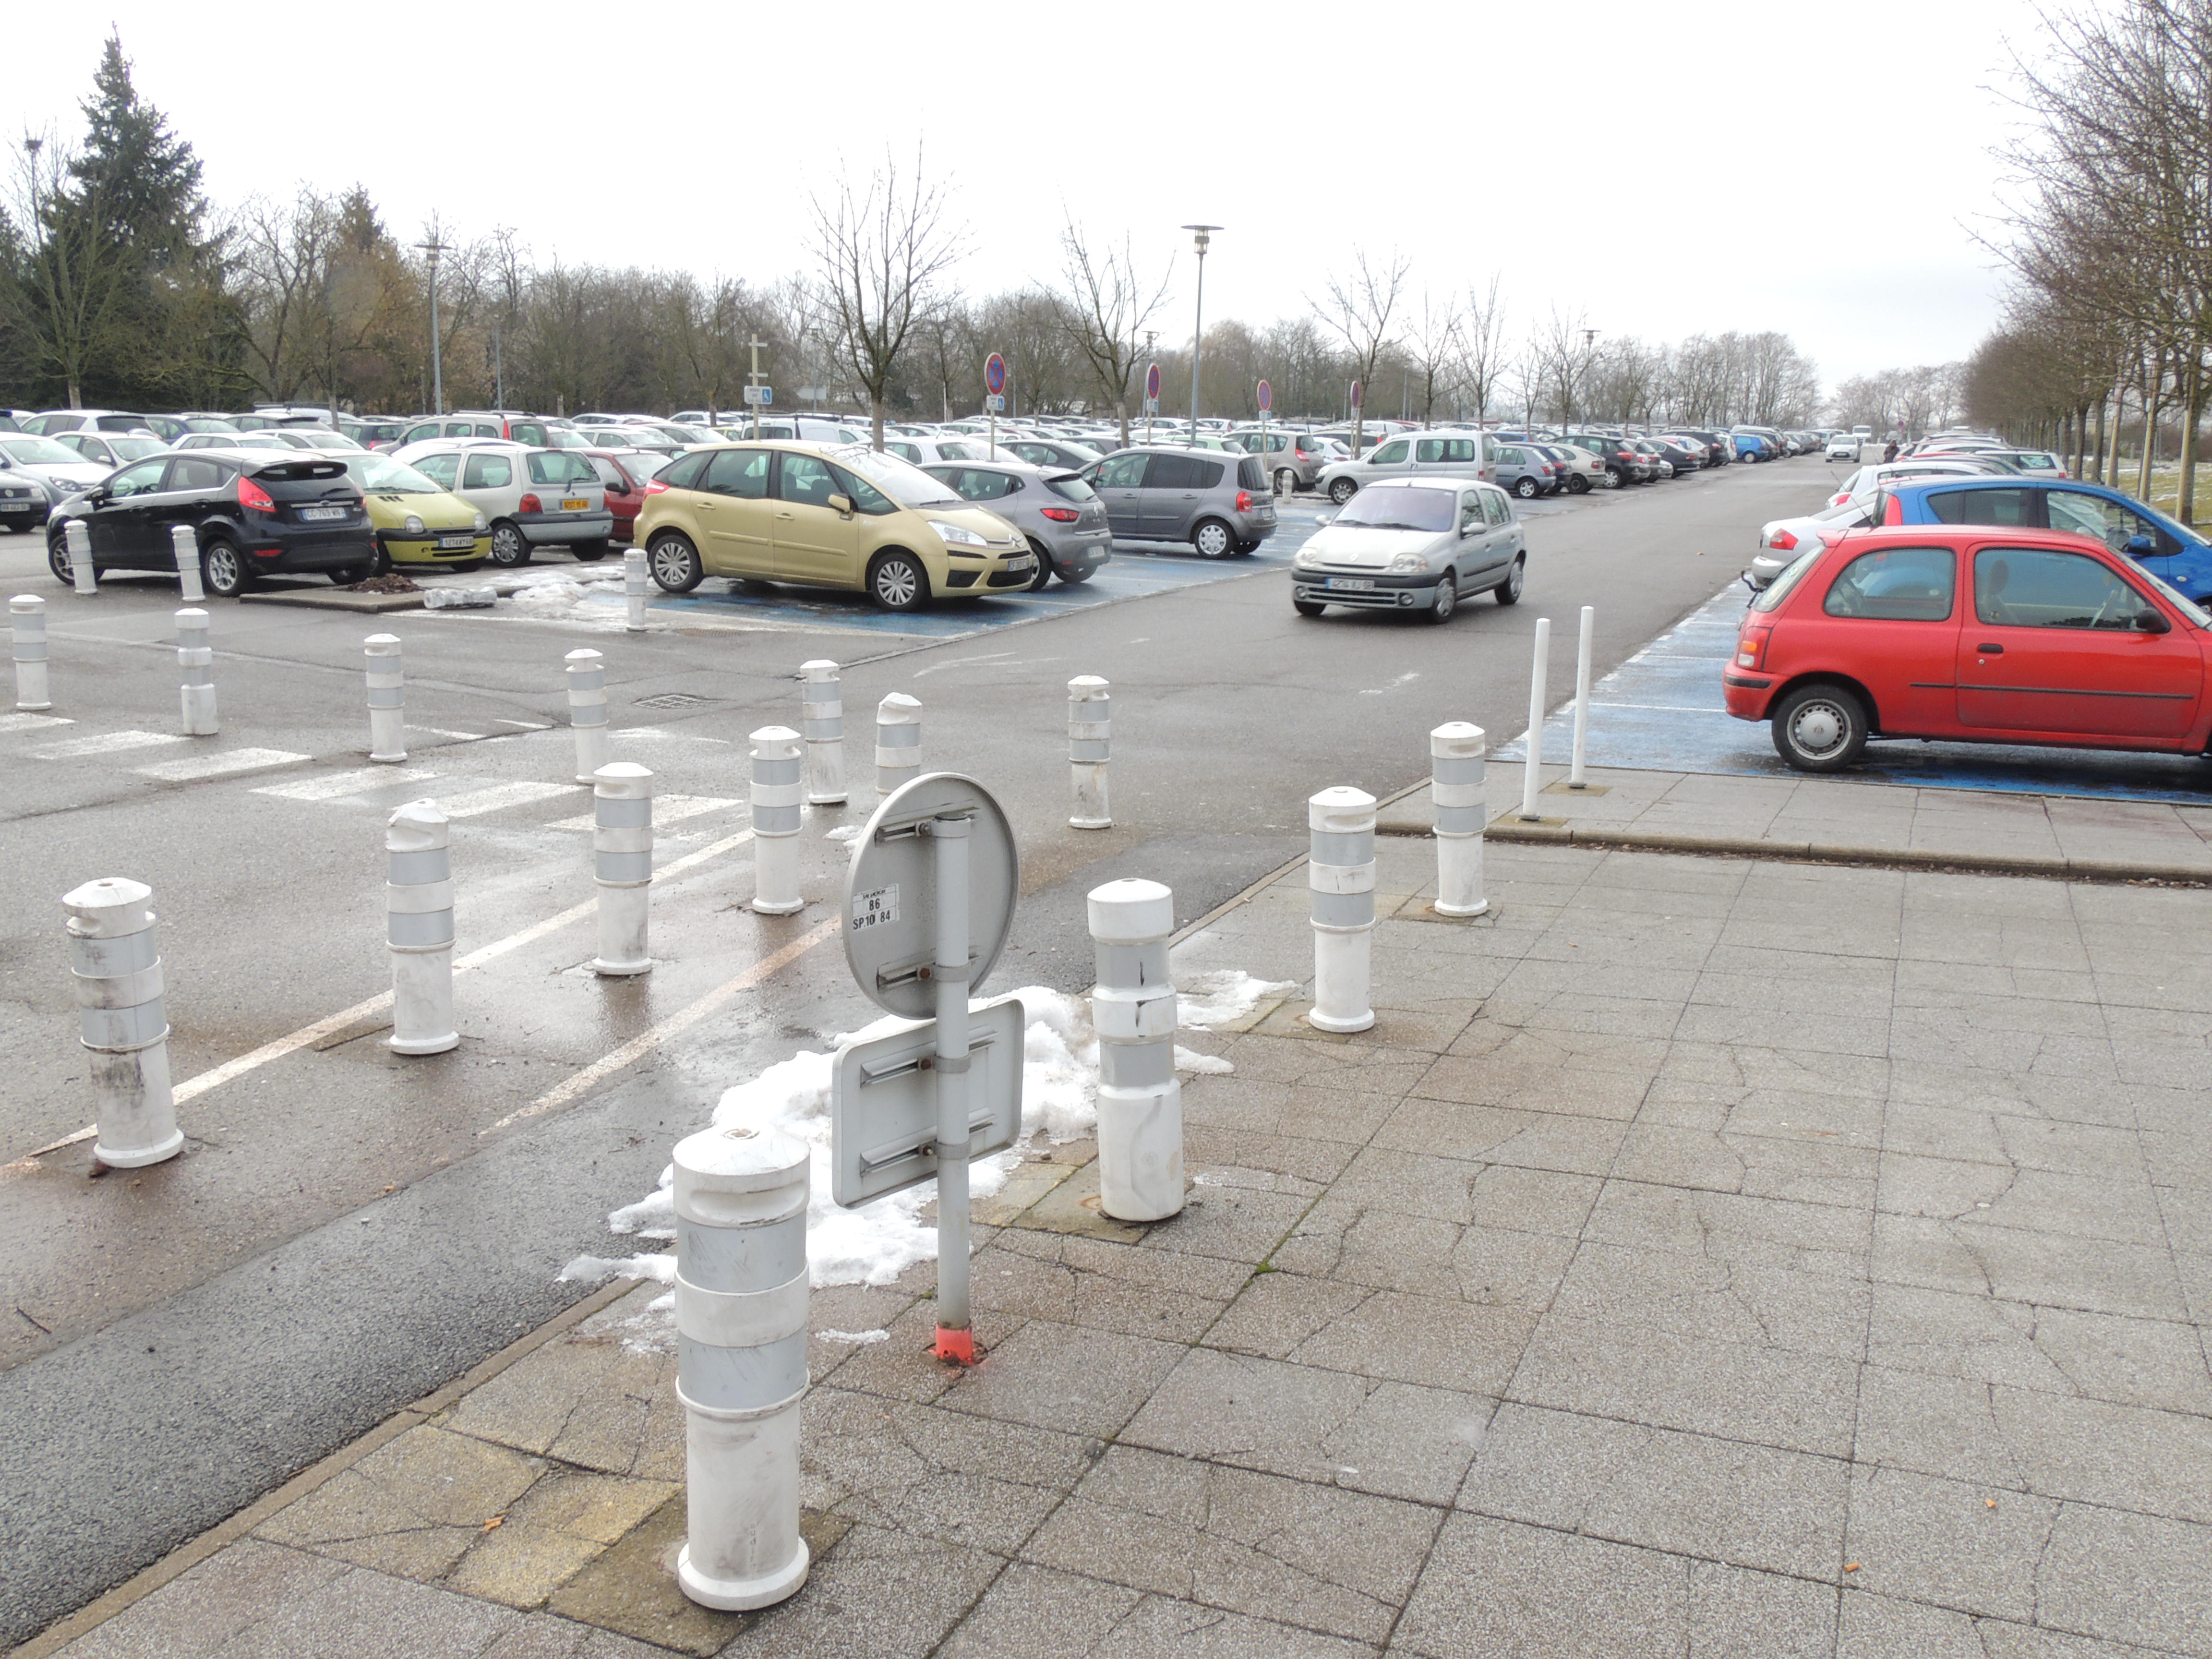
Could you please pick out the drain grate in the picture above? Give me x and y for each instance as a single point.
(671, 699)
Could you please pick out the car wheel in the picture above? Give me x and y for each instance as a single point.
(1077, 578)
(589, 552)
(1307, 607)
(1286, 481)
(57, 560)
(1819, 728)
(381, 565)
(897, 581)
(1342, 490)
(509, 547)
(1525, 488)
(1212, 540)
(223, 570)
(1613, 480)
(1578, 485)
(1042, 579)
(1445, 601)
(1509, 591)
(347, 576)
(674, 563)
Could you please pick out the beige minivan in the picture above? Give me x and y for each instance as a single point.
(817, 515)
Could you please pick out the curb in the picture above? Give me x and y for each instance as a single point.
(336, 598)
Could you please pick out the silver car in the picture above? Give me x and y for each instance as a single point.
(1461, 455)
(1061, 515)
(1216, 501)
(1525, 469)
(533, 497)
(1413, 545)
(1295, 459)
(1579, 470)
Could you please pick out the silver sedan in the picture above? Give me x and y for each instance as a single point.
(1413, 545)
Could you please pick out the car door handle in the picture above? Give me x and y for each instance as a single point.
(781, 516)
(1990, 650)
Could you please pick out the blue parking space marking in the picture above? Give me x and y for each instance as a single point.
(1137, 570)
(1662, 711)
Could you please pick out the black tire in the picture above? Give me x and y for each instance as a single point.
(1578, 485)
(898, 582)
(1077, 578)
(1042, 579)
(223, 570)
(1342, 490)
(590, 552)
(1246, 548)
(1819, 728)
(1526, 488)
(1443, 604)
(1307, 607)
(346, 575)
(1286, 481)
(57, 560)
(1615, 477)
(510, 548)
(382, 564)
(1509, 591)
(674, 563)
(466, 567)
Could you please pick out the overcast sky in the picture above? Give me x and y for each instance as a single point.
(1662, 169)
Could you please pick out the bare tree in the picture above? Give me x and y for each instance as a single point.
(1482, 345)
(1433, 350)
(1361, 304)
(1103, 307)
(883, 253)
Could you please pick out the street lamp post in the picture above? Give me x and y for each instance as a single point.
(1200, 236)
(434, 247)
(1590, 344)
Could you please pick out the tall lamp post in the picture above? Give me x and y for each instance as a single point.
(1589, 348)
(434, 247)
(1200, 236)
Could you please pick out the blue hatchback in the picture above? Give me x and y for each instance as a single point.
(2172, 551)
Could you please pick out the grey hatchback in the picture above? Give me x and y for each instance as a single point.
(1061, 515)
(1218, 501)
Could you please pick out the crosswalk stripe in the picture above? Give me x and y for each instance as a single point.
(31, 722)
(105, 742)
(666, 810)
(346, 783)
(217, 766)
(476, 802)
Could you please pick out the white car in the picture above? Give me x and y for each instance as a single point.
(1868, 479)
(24, 456)
(1782, 540)
(533, 497)
(1843, 446)
(1414, 544)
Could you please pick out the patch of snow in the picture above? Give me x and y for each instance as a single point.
(1219, 996)
(863, 1338)
(846, 832)
(595, 1269)
(1190, 1060)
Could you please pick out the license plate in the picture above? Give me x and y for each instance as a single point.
(14, 507)
(1351, 584)
(1025, 562)
(577, 505)
(457, 541)
(325, 512)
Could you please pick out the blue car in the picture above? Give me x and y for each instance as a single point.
(1750, 446)
(2171, 551)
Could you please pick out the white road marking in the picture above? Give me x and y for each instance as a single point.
(528, 726)
(500, 796)
(461, 737)
(347, 783)
(216, 766)
(105, 742)
(31, 722)
(666, 810)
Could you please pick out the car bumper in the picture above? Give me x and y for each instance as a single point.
(1255, 526)
(425, 549)
(324, 550)
(1746, 695)
(1083, 550)
(967, 580)
(558, 528)
(1389, 593)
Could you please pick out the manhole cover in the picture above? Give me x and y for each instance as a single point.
(671, 699)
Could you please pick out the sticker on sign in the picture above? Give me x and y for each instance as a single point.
(876, 907)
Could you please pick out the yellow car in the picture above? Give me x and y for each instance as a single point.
(414, 521)
(821, 515)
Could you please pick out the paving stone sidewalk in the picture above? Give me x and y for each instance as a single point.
(1701, 1256)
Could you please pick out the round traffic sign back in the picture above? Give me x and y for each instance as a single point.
(1355, 394)
(1267, 397)
(994, 375)
(891, 890)
(1152, 381)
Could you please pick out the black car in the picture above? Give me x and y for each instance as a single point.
(1719, 451)
(1621, 458)
(255, 513)
(1683, 457)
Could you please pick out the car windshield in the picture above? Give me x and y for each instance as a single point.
(31, 451)
(381, 472)
(904, 481)
(1431, 510)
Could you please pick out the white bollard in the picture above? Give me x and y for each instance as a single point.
(26, 631)
(1133, 1008)
(633, 580)
(1341, 872)
(622, 861)
(1455, 786)
(185, 542)
(587, 711)
(387, 697)
(741, 1306)
(78, 536)
(196, 660)
(1089, 734)
(777, 786)
(418, 904)
(822, 717)
(898, 741)
(1532, 776)
(122, 1021)
(1575, 778)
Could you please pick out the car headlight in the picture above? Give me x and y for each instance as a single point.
(957, 535)
(1408, 564)
(411, 524)
(1307, 559)
(483, 524)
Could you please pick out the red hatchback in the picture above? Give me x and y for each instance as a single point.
(1973, 635)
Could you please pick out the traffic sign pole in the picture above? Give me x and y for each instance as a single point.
(956, 1332)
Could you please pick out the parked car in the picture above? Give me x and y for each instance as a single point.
(111, 449)
(1580, 472)
(415, 521)
(1525, 471)
(1781, 542)
(1984, 635)
(57, 467)
(1750, 446)
(623, 474)
(1064, 455)
(1432, 454)
(267, 438)
(927, 452)
(2178, 556)
(533, 498)
(849, 518)
(1843, 446)
(1219, 503)
(1062, 516)
(256, 514)
(2032, 462)
(1681, 459)
(52, 423)
(517, 425)
(1624, 462)
(453, 426)
(1294, 460)
(1710, 448)
(1868, 479)
(1413, 545)
(374, 433)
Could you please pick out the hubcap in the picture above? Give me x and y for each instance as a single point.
(1818, 729)
(221, 566)
(1212, 541)
(672, 562)
(1447, 597)
(894, 583)
(1339, 492)
(505, 545)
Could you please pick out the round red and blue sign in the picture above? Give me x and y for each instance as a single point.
(1267, 397)
(994, 375)
(1152, 381)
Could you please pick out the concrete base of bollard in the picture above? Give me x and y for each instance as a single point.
(422, 1003)
(388, 736)
(1341, 982)
(199, 709)
(740, 1473)
(1140, 1152)
(776, 876)
(1458, 877)
(623, 912)
(34, 694)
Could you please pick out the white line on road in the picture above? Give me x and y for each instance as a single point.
(31, 722)
(216, 766)
(474, 803)
(105, 742)
(461, 737)
(666, 810)
(528, 726)
(347, 783)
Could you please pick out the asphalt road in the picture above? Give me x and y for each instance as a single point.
(349, 1231)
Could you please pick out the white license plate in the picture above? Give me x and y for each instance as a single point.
(324, 511)
(576, 504)
(457, 541)
(14, 507)
(1351, 584)
(1025, 562)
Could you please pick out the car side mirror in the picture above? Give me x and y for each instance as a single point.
(841, 505)
(2141, 547)
(1468, 529)
(2148, 621)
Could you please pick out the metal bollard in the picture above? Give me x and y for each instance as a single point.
(777, 787)
(587, 710)
(622, 861)
(195, 659)
(1090, 731)
(898, 741)
(27, 630)
(1575, 778)
(821, 716)
(741, 1305)
(122, 1021)
(418, 903)
(1341, 872)
(387, 696)
(1133, 1009)
(634, 578)
(1532, 776)
(78, 536)
(185, 541)
(1455, 752)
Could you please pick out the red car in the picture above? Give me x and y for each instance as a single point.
(1970, 636)
(625, 474)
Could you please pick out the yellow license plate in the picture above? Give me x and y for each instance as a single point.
(575, 506)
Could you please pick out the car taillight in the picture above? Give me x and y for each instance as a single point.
(1061, 515)
(1837, 500)
(529, 504)
(252, 497)
(1783, 540)
(1243, 501)
(1751, 646)
(1301, 454)
(654, 487)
